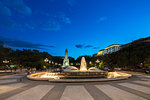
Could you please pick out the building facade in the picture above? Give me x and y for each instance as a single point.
(100, 52)
(109, 49)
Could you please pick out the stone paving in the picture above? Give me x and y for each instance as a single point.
(135, 88)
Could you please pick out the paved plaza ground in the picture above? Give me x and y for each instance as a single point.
(18, 87)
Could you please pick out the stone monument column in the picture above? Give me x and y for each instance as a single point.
(66, 59)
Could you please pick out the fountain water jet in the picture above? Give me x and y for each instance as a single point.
(83, 66)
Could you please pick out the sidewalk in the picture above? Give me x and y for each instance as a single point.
(135, 73)
(10, 73)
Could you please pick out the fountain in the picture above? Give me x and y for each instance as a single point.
(72, 72)
(83, 66)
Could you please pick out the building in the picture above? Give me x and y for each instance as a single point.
(117, 47)
(100, 52)
(109, 49)
(112, 48)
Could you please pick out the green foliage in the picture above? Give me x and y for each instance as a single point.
(24, 58)
(130, 56)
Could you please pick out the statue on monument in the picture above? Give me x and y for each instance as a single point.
(66, 59)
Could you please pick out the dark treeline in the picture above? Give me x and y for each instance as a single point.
(132, 56)
(23, 58)
(28, 58)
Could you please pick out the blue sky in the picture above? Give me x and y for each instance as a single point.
(82, 26)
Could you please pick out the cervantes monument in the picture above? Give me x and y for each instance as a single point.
(66, 59)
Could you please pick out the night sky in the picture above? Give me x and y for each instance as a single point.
(82, 26)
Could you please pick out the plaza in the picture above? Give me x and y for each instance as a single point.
(74, 50)
(18, 87)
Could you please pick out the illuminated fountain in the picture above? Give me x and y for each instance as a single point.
(72, 72)
(83, 66)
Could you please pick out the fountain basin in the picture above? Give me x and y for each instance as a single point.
(84, 74)
(82, 77)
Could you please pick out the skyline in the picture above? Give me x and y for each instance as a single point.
(83, 27)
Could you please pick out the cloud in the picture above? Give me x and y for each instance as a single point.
(52, 46)
(51, 21)
(29, 26)
(23, 44)
(88, 46)
(66, 20)
(79, 46)
(85, 46)
(6, 46)
(6, 22)
(51, 26)
(63, 18)
(23, 9)
(95, 47)
(19, 6)
(101, 19)
(4, 11)
(7, 8)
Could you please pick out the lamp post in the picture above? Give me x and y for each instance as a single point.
(55, 63)
(52, 62)
(90, 62)
(46, 60)
(97, 61)
(6, 62)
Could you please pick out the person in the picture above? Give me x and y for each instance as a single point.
(28, 71)
(34, 70)
(147, 72)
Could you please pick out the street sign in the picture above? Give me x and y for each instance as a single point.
(12, 66)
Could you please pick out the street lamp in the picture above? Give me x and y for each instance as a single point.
(49, 62)
(46, 60)
(52, 62)
(6, 62)
(90, 62)
(97, 61)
